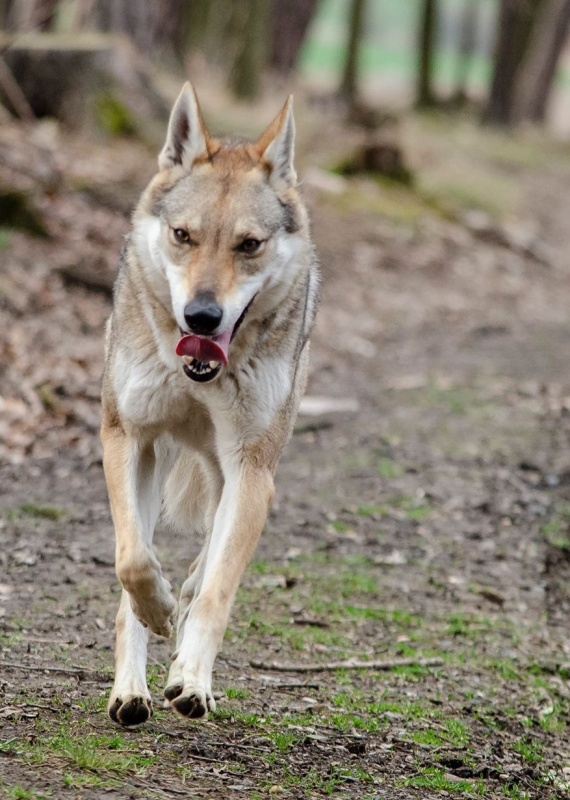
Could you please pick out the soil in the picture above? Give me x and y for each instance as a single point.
(430, 519)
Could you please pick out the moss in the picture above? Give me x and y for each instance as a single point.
(113, 116)
(17, 211)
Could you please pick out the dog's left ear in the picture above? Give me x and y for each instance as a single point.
(187, 138)
(276, 146)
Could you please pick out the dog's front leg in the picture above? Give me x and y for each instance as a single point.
(134, 484)
(130, 702)
(240, 517)
(133, 481)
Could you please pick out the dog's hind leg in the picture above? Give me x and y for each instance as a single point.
(192, 493)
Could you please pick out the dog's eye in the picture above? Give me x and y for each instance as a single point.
(250, 246)
(181, 235)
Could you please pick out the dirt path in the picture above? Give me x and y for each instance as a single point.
(431, 523)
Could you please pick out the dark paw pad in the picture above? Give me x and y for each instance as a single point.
(173, 690)
(134, 712)
(113, 710)
(190, 706)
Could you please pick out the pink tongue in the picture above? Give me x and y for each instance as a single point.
(205, 348)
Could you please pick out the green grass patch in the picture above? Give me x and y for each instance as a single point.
(529, 750)
(260, 567)
(515, 792)
(42, 512)
(236, 694)
(89, 780)
(412, 508)
(557, 530)
(78, 750)
(232, 715)
(437, 780)
(283, 740)
(387, 468)
(113, 116)
(428, 737)
(20, 793)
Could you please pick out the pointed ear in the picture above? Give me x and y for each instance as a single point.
(187, 137)
(276, 146)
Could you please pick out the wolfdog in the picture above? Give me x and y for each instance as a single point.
(206, 360)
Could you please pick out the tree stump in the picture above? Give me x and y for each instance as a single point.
(379, 156)
(85, 80)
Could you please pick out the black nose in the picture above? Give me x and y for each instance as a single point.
(203, 315)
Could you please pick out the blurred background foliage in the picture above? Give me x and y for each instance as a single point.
(506, 57)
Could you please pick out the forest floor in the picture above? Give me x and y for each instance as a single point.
(428, 520)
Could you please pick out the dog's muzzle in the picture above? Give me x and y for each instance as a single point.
(204, 356)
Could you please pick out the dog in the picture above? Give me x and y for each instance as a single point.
(206, 360)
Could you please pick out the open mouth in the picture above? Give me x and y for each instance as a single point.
(204, 356)
(201, 371)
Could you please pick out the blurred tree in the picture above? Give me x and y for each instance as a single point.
(348, 89)
(202, 24)
(43, 14)
(249, 31)
(537, 72)
(17, 14)
(289, 25)
(242, 37)
(467, 46)
(515, 23)
(233, 37)
(152, 25)
(425, 96)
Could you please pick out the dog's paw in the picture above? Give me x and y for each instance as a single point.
(157, 610)
(190, 700)
(130, 709)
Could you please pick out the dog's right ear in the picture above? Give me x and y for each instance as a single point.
(187, 138)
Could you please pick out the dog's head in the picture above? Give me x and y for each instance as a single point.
(220, 226)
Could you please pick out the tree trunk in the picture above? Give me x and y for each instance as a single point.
(427, 34)
(84, 81)
(19, 15)
(349, 84)
(290, 22)
(467, 43)
(201, 29)
(43, 15)
(250, 30)
(515, 24)
(536, 75)
(152, 26)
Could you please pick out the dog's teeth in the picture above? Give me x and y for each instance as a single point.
(188, 360)
(214, 364)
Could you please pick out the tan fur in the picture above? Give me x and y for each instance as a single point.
(204, 453)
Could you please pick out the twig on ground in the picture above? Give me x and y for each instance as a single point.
(42, 707)
(350, 664)
(40, 640)
(315, 623)
(292, 685)
(243, 746)
(79, 672)
(187, 792)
